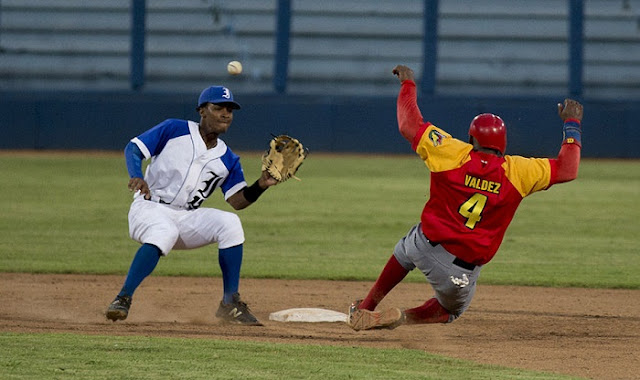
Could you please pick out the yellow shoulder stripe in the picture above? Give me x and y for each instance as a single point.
(440, 151)
(527, 175)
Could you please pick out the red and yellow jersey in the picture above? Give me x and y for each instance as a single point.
(473, 195)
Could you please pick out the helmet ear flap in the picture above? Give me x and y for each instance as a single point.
(489, 131)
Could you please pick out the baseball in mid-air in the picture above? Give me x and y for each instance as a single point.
(234, 67)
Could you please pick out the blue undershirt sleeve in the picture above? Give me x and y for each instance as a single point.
(133, 156)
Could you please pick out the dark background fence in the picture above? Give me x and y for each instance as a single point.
(91, 75)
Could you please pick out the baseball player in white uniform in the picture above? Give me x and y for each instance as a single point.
(188, 163)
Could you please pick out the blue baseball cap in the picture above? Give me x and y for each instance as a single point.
(217, 95)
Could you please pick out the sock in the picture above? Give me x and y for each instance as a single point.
(391, 275)
(230, 260)
(430, 312)
(143, 264)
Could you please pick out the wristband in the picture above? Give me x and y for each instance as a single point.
(571, 132)
(253, 192)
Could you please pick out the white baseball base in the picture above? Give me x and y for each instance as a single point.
(308, 315)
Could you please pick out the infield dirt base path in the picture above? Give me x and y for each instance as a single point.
(582, 332)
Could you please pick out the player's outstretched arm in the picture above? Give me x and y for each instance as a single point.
(250, 194)
(568, 161)
(409, 116)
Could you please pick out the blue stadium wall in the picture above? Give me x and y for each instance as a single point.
(106, 121)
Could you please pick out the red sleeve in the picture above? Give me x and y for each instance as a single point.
(565, 167)
(410, 120)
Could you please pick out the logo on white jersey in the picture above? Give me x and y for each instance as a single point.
(460, 282)
(210, 185)
(226, 94)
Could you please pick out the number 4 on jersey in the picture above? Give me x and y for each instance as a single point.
(472, 209)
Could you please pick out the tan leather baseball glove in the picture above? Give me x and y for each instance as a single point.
(284, 157)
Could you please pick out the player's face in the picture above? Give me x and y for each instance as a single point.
(216, 118)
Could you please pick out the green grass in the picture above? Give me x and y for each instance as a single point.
(63, 356)
(68, 214)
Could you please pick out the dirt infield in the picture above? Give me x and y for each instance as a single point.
(581, 332)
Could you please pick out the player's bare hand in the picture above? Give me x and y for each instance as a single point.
(403, 72)
(136, 184)
(266, 180)
(571, 109)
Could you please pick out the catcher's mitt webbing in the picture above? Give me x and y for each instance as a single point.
(284, 157)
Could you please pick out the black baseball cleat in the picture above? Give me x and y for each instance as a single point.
(119, 308)
(237, 312)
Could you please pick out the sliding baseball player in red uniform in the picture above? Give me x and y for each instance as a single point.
(475, 191)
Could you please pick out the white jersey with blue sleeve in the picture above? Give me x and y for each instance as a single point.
(183, 172)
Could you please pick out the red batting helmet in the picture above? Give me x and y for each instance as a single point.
(490, 132)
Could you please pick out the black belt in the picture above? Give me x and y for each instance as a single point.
(463, 264)
(459, 262)
(433, 243)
